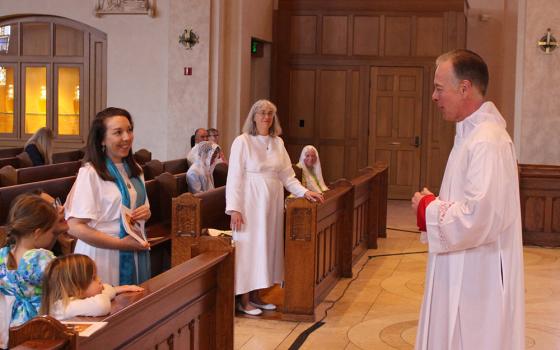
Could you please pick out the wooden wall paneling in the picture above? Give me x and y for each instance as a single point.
(301, 117)
(366, 35)
(377, 5)
(429, 36)
(331, 161)
(332, 99)
(398, 35)
(555, 217)
(335, 35)
(303, 34)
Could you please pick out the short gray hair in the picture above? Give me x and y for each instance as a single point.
(250, 127)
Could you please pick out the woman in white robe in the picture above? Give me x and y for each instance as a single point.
(199, 175)
(310, 165)
(93, 206)
(259, 168)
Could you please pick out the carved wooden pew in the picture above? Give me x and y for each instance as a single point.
(10, 176)
(187, 307)
(193, 213)
(315, 236)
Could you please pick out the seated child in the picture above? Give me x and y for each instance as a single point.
(31, 230)
(199, 175)
(71, 288)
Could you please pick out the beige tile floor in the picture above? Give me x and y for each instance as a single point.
(380, 308)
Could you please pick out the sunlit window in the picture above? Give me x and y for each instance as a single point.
(6, 99)
(68, 101)
(35, 98)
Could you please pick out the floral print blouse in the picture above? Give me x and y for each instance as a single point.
(24, 283)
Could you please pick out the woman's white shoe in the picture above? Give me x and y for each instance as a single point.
(254, 312)
(267, 307)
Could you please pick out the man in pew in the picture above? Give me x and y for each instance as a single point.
(474, 294)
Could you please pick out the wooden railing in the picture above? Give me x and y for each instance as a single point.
(188, 307)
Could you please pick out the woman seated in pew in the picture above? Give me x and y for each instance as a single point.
(259, 169)
(311, 167)
(109, 181)
(199, 175)
(72, 288)
(39, 146)
(32, 231)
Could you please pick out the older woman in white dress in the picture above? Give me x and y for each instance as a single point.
(310, 165)
(109, 180)
(259, 169)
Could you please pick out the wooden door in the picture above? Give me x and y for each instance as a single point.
(395, 115)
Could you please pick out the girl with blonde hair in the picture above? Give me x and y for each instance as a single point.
(39, 146)
(72, 288)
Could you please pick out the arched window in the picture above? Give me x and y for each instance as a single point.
(52, 73)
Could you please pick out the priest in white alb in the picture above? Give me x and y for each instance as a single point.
(474, 291)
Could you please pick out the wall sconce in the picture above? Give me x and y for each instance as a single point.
(188, 39)
(548, 43)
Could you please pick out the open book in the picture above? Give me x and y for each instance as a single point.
(85, 329)
(132, 227)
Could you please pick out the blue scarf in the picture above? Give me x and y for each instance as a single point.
(129, 273)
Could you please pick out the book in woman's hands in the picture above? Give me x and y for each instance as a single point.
(134, 228)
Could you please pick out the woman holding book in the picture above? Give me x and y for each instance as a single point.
(109, 181)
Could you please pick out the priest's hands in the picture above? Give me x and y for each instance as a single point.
(236, 221)
(418, 197)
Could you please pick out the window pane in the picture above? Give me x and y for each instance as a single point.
(69, 41)
(8, 40)
(36, 39)
(69, 101)
(6, 99)
(35, 98)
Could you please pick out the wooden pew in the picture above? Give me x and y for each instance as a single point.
(21, 160)
(10, 176)
(220, 174)
(43, 332)
(193, 213)
(142, 156)
(315, 235)
(381, 189)
(152, 169)
(68, 156)
(55, 187)
(176, 166)
(539, 191)
(10, 152)
(188, 307)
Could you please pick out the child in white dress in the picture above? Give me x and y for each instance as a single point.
(72, 288)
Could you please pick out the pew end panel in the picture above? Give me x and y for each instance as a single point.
(43, 332)
(382, 184)
(185, 226)
(300, 252)
(314, 250)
